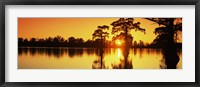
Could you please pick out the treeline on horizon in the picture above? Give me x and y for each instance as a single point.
(59, 41)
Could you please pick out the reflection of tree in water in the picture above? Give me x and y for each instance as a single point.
(141, 51)
(24, 50)
(75, 52)
(158, 51)
(126, 63)
(20, 52)
(32, 51)
(107, 50)
(90, 51)
(79, 52)
(56, 51)
(71, 52)
(98, 63)
(148, 51)
(135, 51)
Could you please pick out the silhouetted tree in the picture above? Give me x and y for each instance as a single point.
(121, 36)
(58, 41)
(101, 34)
(166, 37)
(141, 43)
(89, 43)
(71, 41)
(123, 26)
(33, 42)
(26, 42)
(20, 41)
(80, 41)
(49, 41)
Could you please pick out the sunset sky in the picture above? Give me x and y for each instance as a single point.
(77, 27)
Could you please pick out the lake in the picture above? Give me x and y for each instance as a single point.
(91, 58)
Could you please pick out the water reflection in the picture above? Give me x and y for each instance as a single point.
(56, 52)
(93, 58)
(125, 60)
(98, 63)
(170, 58)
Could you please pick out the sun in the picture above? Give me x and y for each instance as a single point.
(118, 42)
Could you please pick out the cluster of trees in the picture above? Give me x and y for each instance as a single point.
(58, 41)
(121, 29)
(167, 35)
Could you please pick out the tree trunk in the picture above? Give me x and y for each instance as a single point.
(169, 50)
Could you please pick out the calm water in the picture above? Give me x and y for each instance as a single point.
(91, 58)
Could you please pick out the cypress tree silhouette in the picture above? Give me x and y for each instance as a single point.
(122, 27)
(101, 34)
(167, 37)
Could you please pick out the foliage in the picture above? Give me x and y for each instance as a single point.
(122, 28)
(125, 25)
(100, 32)
(167, 27)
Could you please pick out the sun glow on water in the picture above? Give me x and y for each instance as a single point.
(119, 53)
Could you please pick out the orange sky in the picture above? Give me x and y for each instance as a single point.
(77, 27)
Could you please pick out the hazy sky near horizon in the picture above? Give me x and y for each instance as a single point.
(77, 27)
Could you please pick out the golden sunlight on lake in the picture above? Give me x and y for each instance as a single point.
(90, 58)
